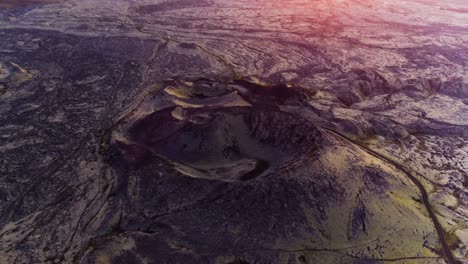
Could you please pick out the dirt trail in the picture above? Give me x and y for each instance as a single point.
(424, 196)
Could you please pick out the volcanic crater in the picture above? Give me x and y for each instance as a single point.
(219, 135)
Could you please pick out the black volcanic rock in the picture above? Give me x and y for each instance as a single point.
(219, 131)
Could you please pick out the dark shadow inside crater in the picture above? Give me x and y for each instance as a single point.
(225, 143)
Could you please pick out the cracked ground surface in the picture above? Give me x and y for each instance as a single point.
(216, 131)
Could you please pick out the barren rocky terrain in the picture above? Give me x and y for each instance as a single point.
(231, 132)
